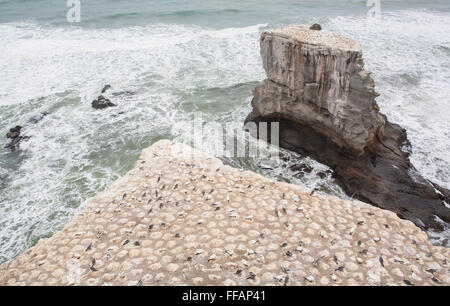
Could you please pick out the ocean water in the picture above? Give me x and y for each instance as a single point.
(183, 58)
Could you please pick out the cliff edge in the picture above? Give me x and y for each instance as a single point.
(180, 217)
(318, 78)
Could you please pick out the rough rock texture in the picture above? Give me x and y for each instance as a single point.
(317, 78)
(15, 135)
(105, 88)
(316, 27)
(101, 103)
(188, 219)
(318, 90)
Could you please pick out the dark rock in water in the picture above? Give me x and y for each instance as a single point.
(14, 135)
(316, 27)
(322, 175)
(38, 118)
(106, 88)
(123, 93)
(393, 184)
(101, 103)
(284, 157)
(302, 167)
(323, 100)
(116, 115)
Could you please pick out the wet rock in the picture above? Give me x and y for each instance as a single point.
(123, 93)
(101, 103)
(259, 253)
(323, 99)
(36, 119)
(322, 175)
(318, 79)
(106, 88)
(16, 138)
(14, 132)
(315, 27)
(302, 168)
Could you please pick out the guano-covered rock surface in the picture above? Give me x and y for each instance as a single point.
(180, 217)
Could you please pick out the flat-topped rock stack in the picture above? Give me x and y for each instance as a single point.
(324, 100)
(181, 217)
(317, 78)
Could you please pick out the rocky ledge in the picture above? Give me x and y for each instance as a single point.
(324, 99)
(181, 217)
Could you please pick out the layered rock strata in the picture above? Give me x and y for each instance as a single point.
(324, 99)
(181, 217)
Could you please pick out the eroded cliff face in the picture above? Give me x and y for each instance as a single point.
(318, 79)
(324, 100)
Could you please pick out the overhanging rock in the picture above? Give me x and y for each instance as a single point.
(187, 219)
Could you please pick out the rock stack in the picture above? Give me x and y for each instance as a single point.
(101, 103)
(324, 99)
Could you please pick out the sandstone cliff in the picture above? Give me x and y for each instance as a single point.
(318, 90)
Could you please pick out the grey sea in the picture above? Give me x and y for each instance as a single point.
(181, 58)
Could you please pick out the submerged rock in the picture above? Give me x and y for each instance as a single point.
(321, 174)
(315, 27)
(318, 79)
(106, 88)
(225, 226)
(324, 99)
(16, 138)
(36, 119)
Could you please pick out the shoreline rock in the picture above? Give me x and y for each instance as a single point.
(316, 27)
(324, 99)
(181, 217)
(36, 119)
(14, 135)
(101, 103)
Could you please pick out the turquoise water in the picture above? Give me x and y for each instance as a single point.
(210, 13)
(181, 58)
